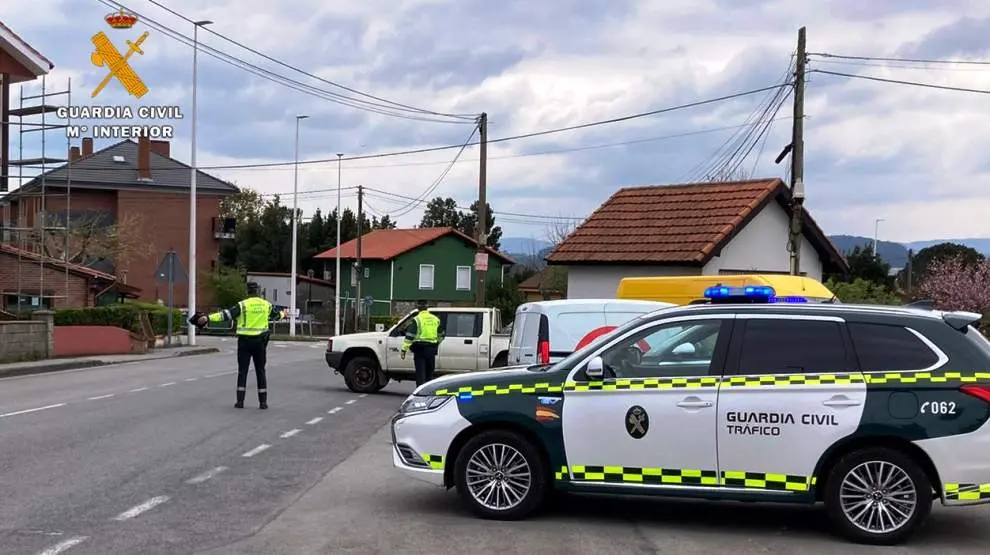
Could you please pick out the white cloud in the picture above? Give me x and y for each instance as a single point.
(910, 154)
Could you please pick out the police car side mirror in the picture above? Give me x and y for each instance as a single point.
(684, 349)
(595, 369)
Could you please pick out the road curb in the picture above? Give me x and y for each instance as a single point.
(70, 364)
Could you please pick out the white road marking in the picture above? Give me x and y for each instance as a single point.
(334, 410)
(206, 475)
(256, 450)
(62, 546)
(100, 397)
(219, 374)
(190, 379)
(143, 507)
(280, 345)
(362, 396)
(138, 390)
(290, 433)
(315, 420)
(351, 402)
(32, 410)
(166, 384)
(316, 346)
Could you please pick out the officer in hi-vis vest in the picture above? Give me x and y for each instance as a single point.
(423, 336)
(252, 316)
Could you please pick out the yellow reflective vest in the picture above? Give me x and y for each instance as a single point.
(427, 330)
(251, 315)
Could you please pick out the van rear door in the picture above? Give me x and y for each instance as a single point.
(524, 339)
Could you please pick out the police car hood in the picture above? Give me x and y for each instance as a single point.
(508, 374)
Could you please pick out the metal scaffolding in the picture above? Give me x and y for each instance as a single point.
(33, 237)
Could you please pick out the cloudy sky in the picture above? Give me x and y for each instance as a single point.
(912, 155)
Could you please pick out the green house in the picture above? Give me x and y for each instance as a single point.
(401, 266)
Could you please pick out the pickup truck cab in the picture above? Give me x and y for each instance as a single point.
(368, 361)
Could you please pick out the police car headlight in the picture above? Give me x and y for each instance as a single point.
(423, 403)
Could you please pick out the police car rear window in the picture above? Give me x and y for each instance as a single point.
(792, 346)
(882, 347)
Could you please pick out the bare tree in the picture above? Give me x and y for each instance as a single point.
(92, 238)
(555, 281)
(725, 173)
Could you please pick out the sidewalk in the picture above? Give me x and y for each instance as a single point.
(59, 364)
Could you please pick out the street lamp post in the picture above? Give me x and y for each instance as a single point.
(295, 237)
(876, 233)
(191, 330)
(336, 276)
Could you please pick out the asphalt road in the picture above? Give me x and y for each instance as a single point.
(364, 507)
(152, 457)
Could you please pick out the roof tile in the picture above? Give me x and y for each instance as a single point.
(75, 268)
(385, 244)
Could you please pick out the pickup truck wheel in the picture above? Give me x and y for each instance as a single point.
(361, 375)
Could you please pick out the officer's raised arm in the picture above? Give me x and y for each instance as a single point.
(225, 315)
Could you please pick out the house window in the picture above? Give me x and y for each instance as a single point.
(463, 278)
(426, 276)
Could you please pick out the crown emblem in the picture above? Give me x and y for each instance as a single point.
(121, 19)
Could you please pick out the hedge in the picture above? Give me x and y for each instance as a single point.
(126, 316)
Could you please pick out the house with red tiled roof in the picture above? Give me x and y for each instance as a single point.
(401, 266)
(738, 227)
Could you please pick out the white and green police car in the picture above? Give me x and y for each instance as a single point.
(875, 411)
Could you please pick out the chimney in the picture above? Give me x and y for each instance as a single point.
(162, 148)
(74, 154)
(144, 159)
(87, 146)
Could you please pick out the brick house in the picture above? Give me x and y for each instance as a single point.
(28, 282)
(738, 227)
(401, 266)
(139, 188)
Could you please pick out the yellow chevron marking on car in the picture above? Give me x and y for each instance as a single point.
(967, 492)
(685, 477)
(501, 389)
(435, 461)
(756, 380)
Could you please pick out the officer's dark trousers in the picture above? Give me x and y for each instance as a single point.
(252, 348)
(425, 360)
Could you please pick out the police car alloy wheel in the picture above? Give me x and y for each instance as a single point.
(501, 475)
(878, 496)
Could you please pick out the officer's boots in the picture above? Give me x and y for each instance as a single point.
(263, 400)
(240, 400)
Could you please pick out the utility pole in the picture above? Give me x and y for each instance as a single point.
(797, 156)
(482, 224)
(358, 304)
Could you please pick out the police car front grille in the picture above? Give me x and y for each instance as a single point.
(410, 457)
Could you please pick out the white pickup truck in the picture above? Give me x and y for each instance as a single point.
(368, 361)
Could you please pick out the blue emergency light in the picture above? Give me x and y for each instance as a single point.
(748, 293)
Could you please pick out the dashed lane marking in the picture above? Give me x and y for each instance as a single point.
(256, 450)
(334, 410)
(351, 402)
(362, 396)
(290, 433)
(142, 508)
(100, 397)
(63, 545)
(190, 379)
(138, 390)
(315, 420)
(166, 384)
(27, 411)
(206, 475)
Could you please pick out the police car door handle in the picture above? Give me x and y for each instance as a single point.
(694, 403)
(841, 401)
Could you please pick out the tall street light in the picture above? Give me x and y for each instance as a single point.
(336, 276)
(192, 188)
(876, 233)
(295, 236)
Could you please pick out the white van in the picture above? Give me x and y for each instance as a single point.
(544, 332)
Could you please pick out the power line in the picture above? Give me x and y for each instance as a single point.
(276, 78)
(901, 82)
(905, 60)
(433, 187)
(308, 74)
(894, 65)
(383, 195)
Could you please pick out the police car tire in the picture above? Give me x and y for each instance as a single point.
(540, 486)
(350, 375)
(922, 486)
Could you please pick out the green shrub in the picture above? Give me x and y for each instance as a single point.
(126, 316)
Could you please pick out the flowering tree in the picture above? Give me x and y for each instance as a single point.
(955, 284)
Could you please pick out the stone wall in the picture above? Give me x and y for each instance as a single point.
(27, 340)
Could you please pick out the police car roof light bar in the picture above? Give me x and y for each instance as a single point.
(748, 294)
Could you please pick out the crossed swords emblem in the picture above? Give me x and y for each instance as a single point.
(635, 420)
(107, 55)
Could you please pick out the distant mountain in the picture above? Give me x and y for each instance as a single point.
(892, 253)
(981, 245)
(523, 245)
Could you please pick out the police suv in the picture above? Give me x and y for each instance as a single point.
(874, 411)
